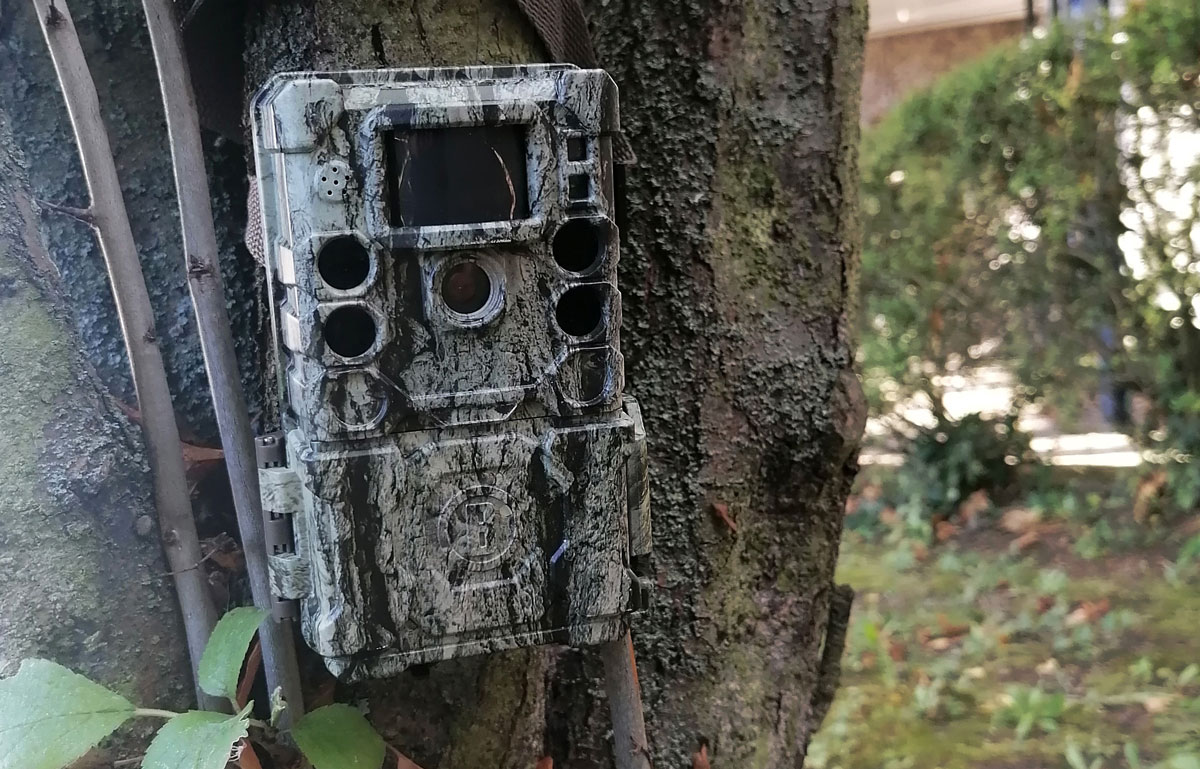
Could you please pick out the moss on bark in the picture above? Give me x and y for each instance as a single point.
(117, 47)
(79, 585)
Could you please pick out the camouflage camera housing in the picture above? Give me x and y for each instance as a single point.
(459, 470)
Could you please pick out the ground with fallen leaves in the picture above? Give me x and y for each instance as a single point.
(1060, 633)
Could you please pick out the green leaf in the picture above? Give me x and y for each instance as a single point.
(221, 663)
(1184, 761)
(1074, 756)
(1132, 757)
(339, 737)
(198, 739)
(50, 716)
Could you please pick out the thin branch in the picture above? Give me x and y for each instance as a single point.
(216, 340)
(79, 214)
(630, 746)
(180, 542)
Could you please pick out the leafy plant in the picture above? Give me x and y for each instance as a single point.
(1075, 759)
(946, 463)
(1027, 708)
(50, 716)
(1035, 210)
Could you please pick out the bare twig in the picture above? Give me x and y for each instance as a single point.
(111, 221)
(216, 339)
(79, 214)
(630, 747)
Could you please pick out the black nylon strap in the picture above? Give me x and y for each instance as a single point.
(563, 29)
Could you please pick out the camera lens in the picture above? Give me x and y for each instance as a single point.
(466, 288)
(344, 263)
(349, 331)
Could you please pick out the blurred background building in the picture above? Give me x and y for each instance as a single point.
(911, 42)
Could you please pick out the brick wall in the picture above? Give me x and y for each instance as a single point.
(896, 64)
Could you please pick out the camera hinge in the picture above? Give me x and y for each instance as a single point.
(280, 489)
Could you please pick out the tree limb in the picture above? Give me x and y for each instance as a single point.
(216, 339)
(109, 217)
(78, 214)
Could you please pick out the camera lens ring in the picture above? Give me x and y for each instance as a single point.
(469, 289)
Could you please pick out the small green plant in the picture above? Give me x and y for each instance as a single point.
(1028, 708)
(50, 716)
(1075, 759)
(1186, 562)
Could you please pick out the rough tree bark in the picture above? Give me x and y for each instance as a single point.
(737, 270)
(737, 266)
(81, 569)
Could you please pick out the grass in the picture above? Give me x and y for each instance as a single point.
(976, 654)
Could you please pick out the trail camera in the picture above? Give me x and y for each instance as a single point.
(459, 470)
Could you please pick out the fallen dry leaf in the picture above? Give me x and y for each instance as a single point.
(949, 628)
(1025, 541)
(1087, 612)
(1148, 489)
(404, 762)
(246, 757)
(1019, 520)
(976, 503)
(224, 551)
(1048, 667)
(1157, 703)
(944, 531)
(253, 661)
(942, 643)
(721, 511)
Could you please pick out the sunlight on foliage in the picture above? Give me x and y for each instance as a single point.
(1038, 209)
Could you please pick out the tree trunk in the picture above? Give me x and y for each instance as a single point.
(738, 265)
(81, 569)
(737, 270)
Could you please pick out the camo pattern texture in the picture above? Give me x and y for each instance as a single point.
(459, 480)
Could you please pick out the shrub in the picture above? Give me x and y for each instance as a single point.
(1038, 208)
